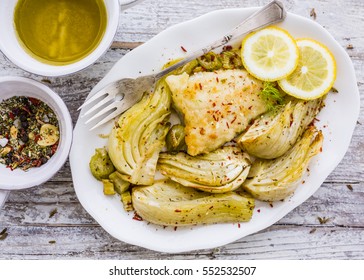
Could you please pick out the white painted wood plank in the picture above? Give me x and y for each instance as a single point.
(277, 242)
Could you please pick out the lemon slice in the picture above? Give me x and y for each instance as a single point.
(269, 54)
(315, 73)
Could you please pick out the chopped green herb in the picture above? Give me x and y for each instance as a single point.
(52, 242)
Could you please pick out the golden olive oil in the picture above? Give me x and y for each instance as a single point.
(60, 32)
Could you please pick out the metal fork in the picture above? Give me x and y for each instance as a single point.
(122, 94)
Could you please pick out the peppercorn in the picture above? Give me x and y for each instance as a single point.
(24, 124)
(44, 160)
(23, 117)
(24, 138)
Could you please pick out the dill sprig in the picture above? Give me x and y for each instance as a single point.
(272, 96)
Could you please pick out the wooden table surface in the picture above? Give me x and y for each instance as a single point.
(72, 233)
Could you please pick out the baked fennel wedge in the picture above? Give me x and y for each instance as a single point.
(274, 133)
(273, 180)
(222, 170)
(136, 140)
(168, 203)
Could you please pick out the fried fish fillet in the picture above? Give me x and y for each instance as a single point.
(216, 106)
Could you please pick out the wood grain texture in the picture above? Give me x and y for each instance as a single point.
(299, 235)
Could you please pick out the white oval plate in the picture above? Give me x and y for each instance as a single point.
(339, 117)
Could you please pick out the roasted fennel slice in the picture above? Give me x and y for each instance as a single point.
(273, 134)
(168, 203)
(136, 140)
(272, 180)
(220, 171)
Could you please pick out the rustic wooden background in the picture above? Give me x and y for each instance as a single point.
(329, 225)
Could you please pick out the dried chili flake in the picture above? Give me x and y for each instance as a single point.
(183, 49)
(227, 48)
(137, 217)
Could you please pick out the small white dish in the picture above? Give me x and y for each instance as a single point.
(337, 120)
(19, 179)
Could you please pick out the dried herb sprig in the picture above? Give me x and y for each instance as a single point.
(3, 234)
(323, 220)
(312, 230)
(53, 212)
(313, 13)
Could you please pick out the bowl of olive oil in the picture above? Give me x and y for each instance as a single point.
(60, 32)
(56, 37)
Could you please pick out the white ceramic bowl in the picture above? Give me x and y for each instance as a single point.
(12, 49)
(19, 179)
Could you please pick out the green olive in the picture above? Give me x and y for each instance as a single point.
(231, 59)
(175, 139)
(100, 164)
(120, 184)
(210, 61)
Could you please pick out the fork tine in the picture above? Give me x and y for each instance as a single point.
(121, 106)
(93, 98)
(108, 89)
(102, 112)
(98, 105)
(106, 119)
